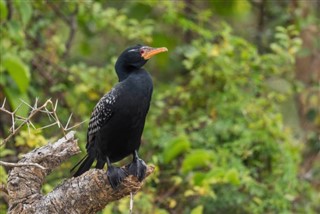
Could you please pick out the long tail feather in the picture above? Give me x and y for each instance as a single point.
(85, 165)
(82, 159)
(100, 164)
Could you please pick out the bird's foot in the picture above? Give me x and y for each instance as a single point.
(115, 176)
(137, 168)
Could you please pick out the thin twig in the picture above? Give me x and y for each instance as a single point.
(74, 126)
(3, 163)
(131, 203)
(47, 126)
(66, 127)
(49, 108)
(4, 102)
(27, 104)
(14, 131)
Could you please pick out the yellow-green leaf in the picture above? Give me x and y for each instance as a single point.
(175, 148)
(3, 10)
(232, 176)
(197, 210)
(197, 158)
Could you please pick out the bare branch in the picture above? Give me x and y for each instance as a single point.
(31, 124)
(14, 131)
(19, 117)
(4, 102)
(3, 163)
(76, 125)
(35, 106)
(131, 203)
(52, 115)
(5, 110)
(55, 106)
(28, 125)
(68, 121)
(47, 126)
(25, 104)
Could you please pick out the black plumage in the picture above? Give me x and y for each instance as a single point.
(118, 119)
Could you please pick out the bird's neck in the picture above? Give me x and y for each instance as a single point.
(123, 71)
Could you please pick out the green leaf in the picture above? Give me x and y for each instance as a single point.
(3, 10)
(25, 10)
(232, 176)
(4, 152)
(197, 158)
(231, 7)
(197, 210)
(198, 178)
(18, 70)
(215, 175)
(175, 148)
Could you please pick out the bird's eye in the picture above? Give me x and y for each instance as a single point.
(141, 51)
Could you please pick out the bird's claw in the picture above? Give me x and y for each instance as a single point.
(115, 176)
(137, 168)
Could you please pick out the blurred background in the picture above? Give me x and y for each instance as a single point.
(234, 121)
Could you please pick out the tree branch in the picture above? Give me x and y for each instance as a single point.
(3, 163)
(10, 9)
(33, 111)
(69, 20)
(73, 28)
(87, 193)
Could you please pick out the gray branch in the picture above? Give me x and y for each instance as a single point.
(87, 193)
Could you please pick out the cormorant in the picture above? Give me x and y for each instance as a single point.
(118, 119)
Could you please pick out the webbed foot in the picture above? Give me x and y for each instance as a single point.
(115, 176)
(137, 168)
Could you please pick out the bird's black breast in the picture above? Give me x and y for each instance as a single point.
(121, 134)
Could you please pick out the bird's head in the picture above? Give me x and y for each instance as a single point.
(138, 55)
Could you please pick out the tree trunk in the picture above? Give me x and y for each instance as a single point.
(87, 193)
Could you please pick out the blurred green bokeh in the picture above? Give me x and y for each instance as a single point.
(233, 126)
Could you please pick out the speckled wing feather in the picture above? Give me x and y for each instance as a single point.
(102, 112)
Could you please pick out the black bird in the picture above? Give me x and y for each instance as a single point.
(117, 121)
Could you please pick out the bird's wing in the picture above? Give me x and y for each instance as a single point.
(101, 113)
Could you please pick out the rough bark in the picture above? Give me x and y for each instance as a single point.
(87, 193)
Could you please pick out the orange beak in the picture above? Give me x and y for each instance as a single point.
(150, 52)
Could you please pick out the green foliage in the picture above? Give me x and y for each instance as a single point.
(25, 10)
(18, 71)
(215, 130)
(231, 7)
(31, 139)
(3, 10)
(195, 159)
(174, 148)
(197, 210)
(247, 146)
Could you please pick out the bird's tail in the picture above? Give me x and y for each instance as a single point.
(100, 164)
(86, 163)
